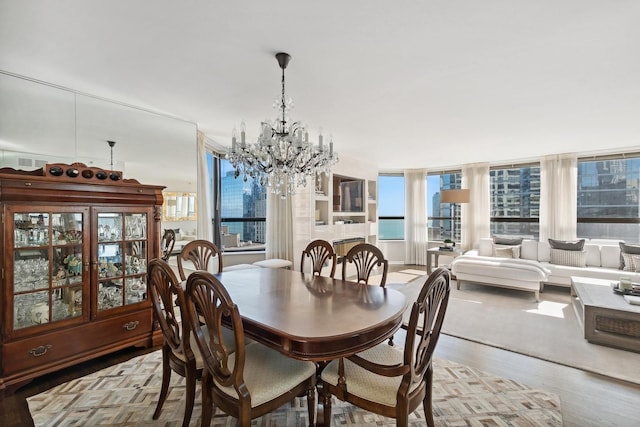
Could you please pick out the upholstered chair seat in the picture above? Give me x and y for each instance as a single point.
(365, 385)
(268, 374)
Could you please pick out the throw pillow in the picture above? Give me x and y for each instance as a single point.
(627, 264)
(515, 251)
(570, 258)
(507, 241)
(504, 252)
(578, 245)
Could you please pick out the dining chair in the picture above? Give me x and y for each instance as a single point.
(389, 381)
(179, 353)
(366, 258)
(320, 252)
(252, 381)
(200, 253)
(167, 242)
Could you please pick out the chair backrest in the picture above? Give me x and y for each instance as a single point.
(208, 303)
(366, 258)
(320, 252)
(200, 253)
(167, 299)
(425, 323)
(166, 245)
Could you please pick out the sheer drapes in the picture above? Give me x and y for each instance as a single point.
(204, 230)
(558, 197)
(415, 217)
(279, 238)
(475, 216)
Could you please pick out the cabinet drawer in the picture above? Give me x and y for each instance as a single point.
(75, 343)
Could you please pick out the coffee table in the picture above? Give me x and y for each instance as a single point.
(606, 317)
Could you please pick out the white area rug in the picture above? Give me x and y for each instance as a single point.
(514, 321)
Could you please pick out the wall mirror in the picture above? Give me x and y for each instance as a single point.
(179, 206)
(40, 124)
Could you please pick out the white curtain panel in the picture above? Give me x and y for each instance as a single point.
(475, 216)
(279, 227)
(203, 201)
(415, 216)
(558, 197)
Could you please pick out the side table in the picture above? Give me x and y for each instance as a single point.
(434, 253)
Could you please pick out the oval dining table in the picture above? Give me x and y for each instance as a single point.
(311, 317)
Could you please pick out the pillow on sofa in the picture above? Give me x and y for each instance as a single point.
(503, 251)
(506, 252)
(626, 262)
(570, 258)
(578, 245)
(507, 241)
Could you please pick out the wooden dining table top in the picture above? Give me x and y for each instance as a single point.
(313, 317)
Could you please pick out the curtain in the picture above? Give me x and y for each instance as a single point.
(475, 215)
(204, 193)
(415, 217)
(279, 236)
(558, 197)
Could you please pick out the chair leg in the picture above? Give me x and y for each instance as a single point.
(326, 405)
(166, 378)
(207, 400)
(427, 402)
(190, 395)
(311, 404)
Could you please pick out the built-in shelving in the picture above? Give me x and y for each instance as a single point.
(341, 206)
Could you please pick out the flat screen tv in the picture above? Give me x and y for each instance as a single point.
(348, 194)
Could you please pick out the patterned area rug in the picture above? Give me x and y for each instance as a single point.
(126, 395)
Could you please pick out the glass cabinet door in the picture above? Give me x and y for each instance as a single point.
(47, 269)
(121, 258)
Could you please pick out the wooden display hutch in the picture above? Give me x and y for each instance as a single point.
(76, 242)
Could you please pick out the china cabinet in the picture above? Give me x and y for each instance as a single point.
(76, 242)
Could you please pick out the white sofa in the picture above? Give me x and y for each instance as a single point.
(533, 268)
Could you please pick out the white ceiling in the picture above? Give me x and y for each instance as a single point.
(407, 84)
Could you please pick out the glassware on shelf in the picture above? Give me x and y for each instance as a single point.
(29, 273)
(30, 309)
(136, 289)
(110, 294)
(109, 227)
(135, 226)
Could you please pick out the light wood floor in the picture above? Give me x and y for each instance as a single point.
(587, 400)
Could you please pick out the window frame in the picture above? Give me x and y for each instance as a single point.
(454, 208)
(603, 220)
(493, 219)
(214, 161)
(391, 217)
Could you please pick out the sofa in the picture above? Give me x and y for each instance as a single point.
(530, 264)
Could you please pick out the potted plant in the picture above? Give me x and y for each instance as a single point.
(448, 243)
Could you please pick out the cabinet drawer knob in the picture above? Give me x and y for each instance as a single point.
(40, 350)
(130, 326)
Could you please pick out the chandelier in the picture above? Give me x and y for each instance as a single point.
(283, 157)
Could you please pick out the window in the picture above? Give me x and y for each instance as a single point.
(443, 219)
(391, 207)
(240, 217)
(608, 198)
(515, 200)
